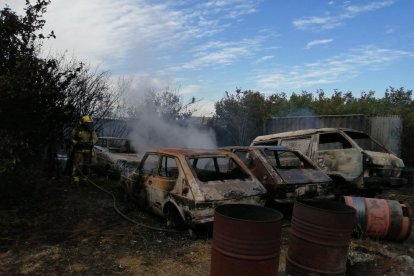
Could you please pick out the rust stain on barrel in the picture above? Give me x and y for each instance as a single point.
(319, 238)
(246, 240)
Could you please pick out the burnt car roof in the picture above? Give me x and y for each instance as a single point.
(189, 152)
(301, 133)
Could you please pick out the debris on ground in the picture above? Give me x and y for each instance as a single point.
(74, 230)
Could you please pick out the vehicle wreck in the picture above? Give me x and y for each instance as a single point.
(113, 155)
(286, 174)
(185, 185)
(351, 158)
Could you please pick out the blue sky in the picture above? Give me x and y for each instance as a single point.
(204, 48)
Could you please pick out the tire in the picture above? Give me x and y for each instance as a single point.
(193, 234)
(114, 175)
(173, 218)
(340, 187)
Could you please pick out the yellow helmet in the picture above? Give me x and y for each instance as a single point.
(86, 119)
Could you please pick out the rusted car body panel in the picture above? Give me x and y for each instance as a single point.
(113, 155)
(286, 174)
(346, 155)
(192, 182)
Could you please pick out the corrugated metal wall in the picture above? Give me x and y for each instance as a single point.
(388, 131)
(112, 128)
(385, 129)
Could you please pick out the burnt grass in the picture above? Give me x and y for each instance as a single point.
(70, 229)
(64, 229)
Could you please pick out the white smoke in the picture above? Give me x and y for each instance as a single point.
(151, 130)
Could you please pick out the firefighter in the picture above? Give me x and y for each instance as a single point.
(83, 139)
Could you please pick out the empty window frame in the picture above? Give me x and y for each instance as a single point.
(217, 168)
(365, 142)
(169, 167)
(245, 157)
(281, 159)
(150, 165)
(333, 141)
(300, 144)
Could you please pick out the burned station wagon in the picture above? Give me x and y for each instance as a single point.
(185, 185)
(286, 174)
(113, 155)
(351, 158)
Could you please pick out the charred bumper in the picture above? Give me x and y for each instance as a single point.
(288, 193)
(316, 198)
(383, 182)
(203, 214)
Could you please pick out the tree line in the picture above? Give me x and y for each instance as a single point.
(240, 116)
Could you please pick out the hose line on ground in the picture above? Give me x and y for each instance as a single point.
(119, 212)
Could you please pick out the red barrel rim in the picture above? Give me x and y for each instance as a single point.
(327, 206)
(248, 213)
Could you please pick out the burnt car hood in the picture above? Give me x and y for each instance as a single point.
(384, 159)
(230, 189)
(303, 176)
(126, 156)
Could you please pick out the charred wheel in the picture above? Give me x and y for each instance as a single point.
(173, 217)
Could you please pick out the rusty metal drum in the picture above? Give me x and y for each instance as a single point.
(381, 218)
(246, 240)
(368, 268)
(319, 238)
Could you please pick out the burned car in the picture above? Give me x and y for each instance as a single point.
(351, 158)
(286, 174)
(112, 155)
(185, 185)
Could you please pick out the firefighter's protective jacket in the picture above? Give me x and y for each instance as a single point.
(83, 139)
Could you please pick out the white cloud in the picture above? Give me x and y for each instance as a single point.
(103, 31)
(356, 9)
(218, 53)
(109, 32)
(264, 58)
(318, 42)
(328, 22)
(317, 23)
(190, 89)
(233, 8)
(331, 70)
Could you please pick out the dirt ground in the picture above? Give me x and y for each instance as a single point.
(75, 231)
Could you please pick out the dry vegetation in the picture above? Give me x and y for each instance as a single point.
(75, 231)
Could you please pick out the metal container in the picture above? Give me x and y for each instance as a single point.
(381, 218)
(319, 238)
(246, 240)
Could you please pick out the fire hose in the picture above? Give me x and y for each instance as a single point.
(118, 211)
